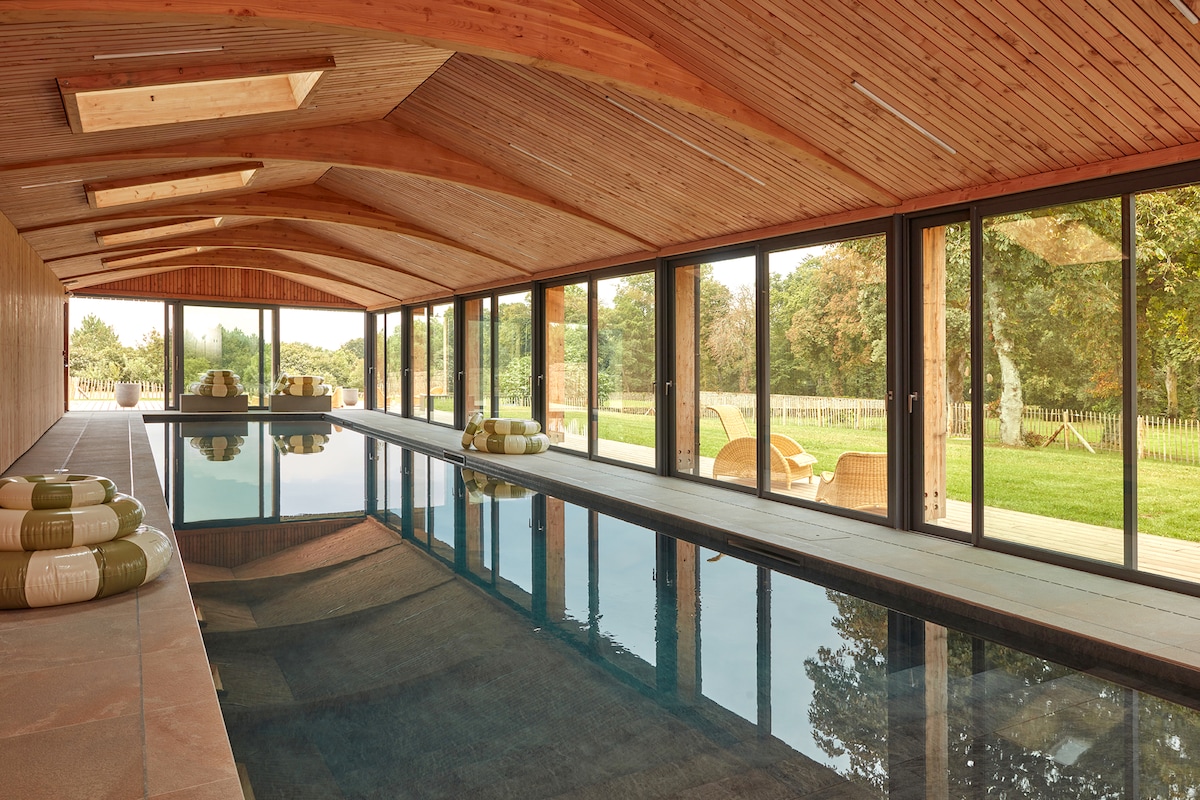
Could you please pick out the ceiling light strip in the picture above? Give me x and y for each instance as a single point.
(900, 115)
(180, 52)
(1188, 14)
(52, 183)
(520, 149)
(679, 138)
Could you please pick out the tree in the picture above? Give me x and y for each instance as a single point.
(625, 339)
(96, 352)
(835, 303)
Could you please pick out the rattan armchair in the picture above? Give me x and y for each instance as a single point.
(738, 459)
(859, 480)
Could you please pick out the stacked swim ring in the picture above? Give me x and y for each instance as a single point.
(300, 444)
(511, 436)
(70, 538)
(302, 386)
(480, 486)
(218, 383)
(218, 448)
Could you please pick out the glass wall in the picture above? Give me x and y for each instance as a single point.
(379, 368)
(392, 399)
(567, 365)
(1052, 456)
(441, 363)
(626, 348)
(716, 358)
(514, 354)
(828, 373)
(226, 338)
(477, 355)
(1166, 429)
(418, 363)
(322, 342)
(944, 393)
(115, 341)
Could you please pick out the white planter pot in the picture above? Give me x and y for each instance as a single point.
(128, 394)
(350, 396)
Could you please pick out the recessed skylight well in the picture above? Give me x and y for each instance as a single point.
(187, 94)
(176, 184)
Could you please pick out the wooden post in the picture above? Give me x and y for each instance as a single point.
(684, 394)
(473, 518)
(1141, 437)
(556, 367)
(933, 391)
(937, 693)
(556, 559)
(686, 618)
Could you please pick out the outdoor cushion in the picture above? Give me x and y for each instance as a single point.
(306, 389)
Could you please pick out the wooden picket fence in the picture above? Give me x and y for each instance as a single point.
(87, 389)
(1158, 438)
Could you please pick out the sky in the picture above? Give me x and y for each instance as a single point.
(133, 319)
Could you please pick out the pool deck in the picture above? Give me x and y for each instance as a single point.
(113, 698)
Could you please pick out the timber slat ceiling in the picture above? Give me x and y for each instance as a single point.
(210, 283)
(456, 146)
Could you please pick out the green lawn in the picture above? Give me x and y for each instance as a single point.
(1064, 484)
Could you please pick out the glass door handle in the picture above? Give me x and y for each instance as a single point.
(912, 398)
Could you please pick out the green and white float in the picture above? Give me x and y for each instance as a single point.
(89, 543)
(507, 436)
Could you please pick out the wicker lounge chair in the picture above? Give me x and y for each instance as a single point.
(858, 481)
(738, 459)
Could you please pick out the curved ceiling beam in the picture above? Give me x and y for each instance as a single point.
(375, 145)
(231, 259)
(263, 237)
(307, 204)
(555, 35)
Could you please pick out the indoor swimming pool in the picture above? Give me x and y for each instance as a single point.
(387, 624)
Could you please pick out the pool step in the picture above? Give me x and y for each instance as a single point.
(200, 620)
(216, 678)
(244, 779)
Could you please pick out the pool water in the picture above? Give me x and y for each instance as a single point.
(386, 625)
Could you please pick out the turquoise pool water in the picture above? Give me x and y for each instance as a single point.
(388, 626)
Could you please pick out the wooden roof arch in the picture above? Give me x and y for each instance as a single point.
(457, 145)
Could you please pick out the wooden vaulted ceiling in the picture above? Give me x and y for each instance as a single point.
(457, 146)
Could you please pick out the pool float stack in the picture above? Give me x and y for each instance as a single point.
(480, 487)
(218, 448)
(510, 436)
(70, 538)
(302, 386)
(218, 383)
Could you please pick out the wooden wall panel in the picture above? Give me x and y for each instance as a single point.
(31, 346)
(222, 285)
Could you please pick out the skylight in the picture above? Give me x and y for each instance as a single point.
(187, 94)
(177, 184)
(129, 235)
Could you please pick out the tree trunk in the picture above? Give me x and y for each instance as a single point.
(1172, 383)
(1011, 403)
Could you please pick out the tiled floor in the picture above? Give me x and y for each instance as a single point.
(113, 698)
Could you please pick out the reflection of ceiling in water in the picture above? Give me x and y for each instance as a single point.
(1062, 243)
